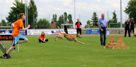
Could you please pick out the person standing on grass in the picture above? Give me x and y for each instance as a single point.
(132, 26)
(126, 27)
(102, 23)
(16, 36)
(78, 27)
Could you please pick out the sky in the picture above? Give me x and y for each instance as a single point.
(83, 8)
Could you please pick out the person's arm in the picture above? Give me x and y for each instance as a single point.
(76, 25)
(100, 28)
(40, 38)
(99, 25)
(26, 28)
(124, 26)
(130, 25)
(134, 24)
(12, 26)
(80, 25)
(107, 25)
(44, 38)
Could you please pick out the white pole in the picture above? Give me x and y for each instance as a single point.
(120, 13)
(25, 13)
(74, 12)
(1, 19)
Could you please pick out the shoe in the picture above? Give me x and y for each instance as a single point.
(80, 37)
(5, 57)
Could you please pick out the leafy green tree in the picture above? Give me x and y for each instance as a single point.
(54, 19)
(88, 22)
(19, 7)
(65, 16)
(32, 13)
(60, 21)
(3, 23)
(131, 9)
(94, 19)
(70, 19)
(114, 17)
(43, 24)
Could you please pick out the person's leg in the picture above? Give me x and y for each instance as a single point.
(101, 33)
(65, 29)
(14, 43)
(129, 32)
(46, 40)
(77, 32)
(80, 31)
(125, 32)
(24, 39)
(40, 40)
(133, 30)
(104, 33)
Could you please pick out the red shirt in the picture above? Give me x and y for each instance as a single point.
(78, 24)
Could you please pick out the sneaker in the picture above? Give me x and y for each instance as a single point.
(5, 57)
(80, 37)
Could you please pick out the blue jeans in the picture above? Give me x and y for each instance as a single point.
(103, 35)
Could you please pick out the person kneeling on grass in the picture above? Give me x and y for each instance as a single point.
(43, 38)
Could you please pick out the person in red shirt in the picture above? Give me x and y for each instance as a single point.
(78, 27)
(42, 38)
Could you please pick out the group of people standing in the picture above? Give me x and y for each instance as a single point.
(129, 27)
(102, 23)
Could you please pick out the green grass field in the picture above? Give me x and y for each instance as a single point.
(63, 53)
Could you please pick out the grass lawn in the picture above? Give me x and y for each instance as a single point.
(63, 53)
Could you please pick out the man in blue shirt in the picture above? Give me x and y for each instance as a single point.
(102, 23)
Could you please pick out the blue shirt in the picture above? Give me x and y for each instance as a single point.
(102, 22)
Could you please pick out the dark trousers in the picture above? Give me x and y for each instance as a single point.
(103, 35)
(132, 29)
(127, 30)
(79, 31)
(65, 29)
(40, 41)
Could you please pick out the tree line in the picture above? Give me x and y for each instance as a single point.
(19, 7)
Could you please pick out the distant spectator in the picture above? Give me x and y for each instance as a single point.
(126, 27)
(78, 27)
(102, 23)
(132, 25)
(42, 38)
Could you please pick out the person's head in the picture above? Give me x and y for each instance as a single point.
(127, 20)
(77, 20)
(102, 16)
(42, 33)
(22, 16)
(132, 19)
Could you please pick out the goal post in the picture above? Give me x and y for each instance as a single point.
(68, 26)
(115, 25)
